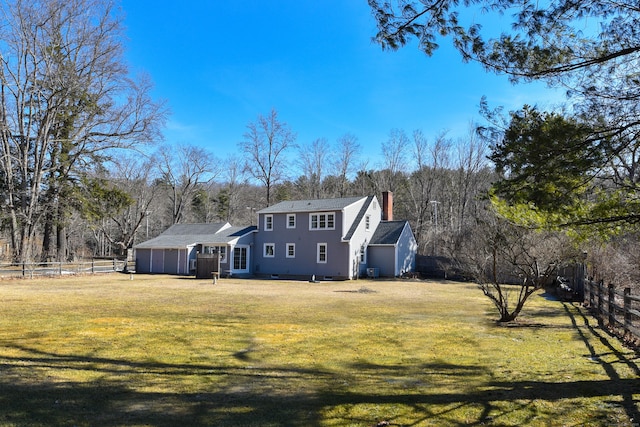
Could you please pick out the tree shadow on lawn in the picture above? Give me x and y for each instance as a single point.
(271, 396)
(580, 320)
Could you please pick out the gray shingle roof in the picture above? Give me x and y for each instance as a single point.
(290, 206)
(183, 235)
(388, 233)
(195, 229)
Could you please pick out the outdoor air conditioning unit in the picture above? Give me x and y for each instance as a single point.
(373, 272)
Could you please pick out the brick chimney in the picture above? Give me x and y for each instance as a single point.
(387, 206)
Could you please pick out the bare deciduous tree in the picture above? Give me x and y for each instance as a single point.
(312, 159)
(511, 263)
(66, 99)
(343, 165)
(183, 169)
(265, 143)
(232, 203)
(472, 154)
(424, 190)
(394, 153)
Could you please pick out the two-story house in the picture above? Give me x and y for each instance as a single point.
(332, 239)
(343, 238)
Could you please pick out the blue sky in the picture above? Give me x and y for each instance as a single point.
(219, 64)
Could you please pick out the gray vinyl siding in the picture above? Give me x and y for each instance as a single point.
(157, 261)
(406, 252)
(306, 246)
(362, 236)
(394, 259)
(171, 258)
(384, 259)
(143, 260)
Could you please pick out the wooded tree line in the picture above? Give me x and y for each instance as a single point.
(573, 171)
(81, 175)
(438, 186)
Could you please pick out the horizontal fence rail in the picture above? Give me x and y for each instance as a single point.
(35, 269)
(617, 310)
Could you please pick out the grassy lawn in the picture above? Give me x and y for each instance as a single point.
(167, 351)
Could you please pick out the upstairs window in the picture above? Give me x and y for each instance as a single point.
(367, 222)
(322, 221)
(268, 222)
(291, 220)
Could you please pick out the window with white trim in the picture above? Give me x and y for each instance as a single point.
(322, 253)
(269, 250)
(221, 251)
(322, 221)
(268, 222)
(291, 220)
(291, 250)
(240, 258)
(367, 222)
(363, 254)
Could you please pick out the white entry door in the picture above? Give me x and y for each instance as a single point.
(240, 259)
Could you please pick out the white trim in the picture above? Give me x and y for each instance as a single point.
(322, 218)
(289, 216)
(326, 255)
(266, 223)
(247, 248)
(273, 250)
(291, 245)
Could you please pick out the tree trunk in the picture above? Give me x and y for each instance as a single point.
(47, 238)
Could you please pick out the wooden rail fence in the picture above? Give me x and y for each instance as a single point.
(33, 269)
(619, 311)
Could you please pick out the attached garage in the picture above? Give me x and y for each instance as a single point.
(163, 260)
(176, 250)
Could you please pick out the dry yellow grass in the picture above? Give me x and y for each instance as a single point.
(164, 351)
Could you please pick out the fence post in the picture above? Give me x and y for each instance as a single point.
(611, 308)
(627, 310)
(600, 309)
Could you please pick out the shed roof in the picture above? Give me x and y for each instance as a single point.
(319, 205)
(388, 233)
